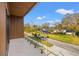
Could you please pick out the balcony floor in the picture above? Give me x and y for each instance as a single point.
(20, 47)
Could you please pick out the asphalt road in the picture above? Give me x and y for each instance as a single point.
(67, 46)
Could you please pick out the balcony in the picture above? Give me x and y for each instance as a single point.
(20, 47)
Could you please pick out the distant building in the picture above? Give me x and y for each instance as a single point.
(69, 32)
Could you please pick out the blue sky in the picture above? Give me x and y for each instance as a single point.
(50, 12)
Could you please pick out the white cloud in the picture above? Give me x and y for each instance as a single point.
(64, 11)
(41, 17)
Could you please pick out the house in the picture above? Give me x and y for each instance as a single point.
(11, 22)
(69, 32)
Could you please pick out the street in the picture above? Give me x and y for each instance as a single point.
(72, 48)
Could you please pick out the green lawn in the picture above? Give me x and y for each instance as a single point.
(64, 38)
(61, 37)
(42, 41)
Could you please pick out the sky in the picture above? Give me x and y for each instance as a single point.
(50, 12)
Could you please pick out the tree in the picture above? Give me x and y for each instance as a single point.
(71, 22)
(45, 25)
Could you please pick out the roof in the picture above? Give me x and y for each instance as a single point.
(20, 8)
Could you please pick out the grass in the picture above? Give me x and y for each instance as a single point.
(64, 38)
(42, 41)
(61, 37)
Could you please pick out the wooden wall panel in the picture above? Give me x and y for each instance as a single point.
(2, 29)
(16, 27)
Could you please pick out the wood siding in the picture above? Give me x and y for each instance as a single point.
(16, 27)
(2, 29)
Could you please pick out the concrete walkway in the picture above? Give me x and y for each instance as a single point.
(20, 47)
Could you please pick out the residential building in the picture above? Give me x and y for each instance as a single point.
(11, 22)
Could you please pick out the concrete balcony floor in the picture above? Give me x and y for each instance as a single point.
(20, 47)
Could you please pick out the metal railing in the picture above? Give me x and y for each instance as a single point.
(43, 47)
